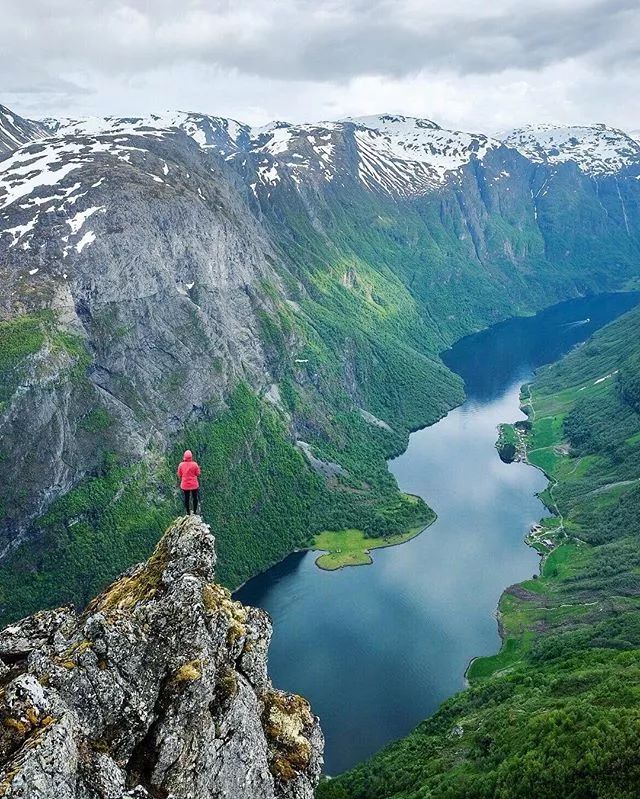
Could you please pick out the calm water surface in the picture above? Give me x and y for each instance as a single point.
(377, 648)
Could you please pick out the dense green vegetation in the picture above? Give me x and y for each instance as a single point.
(475, 252)
(19, 338)
(88, 536)
(557, 711)
(259, 495)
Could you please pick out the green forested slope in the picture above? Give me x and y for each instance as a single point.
(557, 711)
(259, 494)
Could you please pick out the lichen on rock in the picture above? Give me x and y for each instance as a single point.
(288, 723)
(158, 688)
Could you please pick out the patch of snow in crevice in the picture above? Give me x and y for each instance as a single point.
(269, 174)
(76, 222)
(19, 231)
(88, 238)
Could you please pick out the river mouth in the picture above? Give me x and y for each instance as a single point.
(377, 648)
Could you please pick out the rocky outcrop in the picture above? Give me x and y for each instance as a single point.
(16, 131)
(159, 688)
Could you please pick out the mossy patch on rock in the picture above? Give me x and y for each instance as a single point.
(141, 584)
(188, 672)
(285, 719)
(226, 687)
(17, 728)
(217, 599)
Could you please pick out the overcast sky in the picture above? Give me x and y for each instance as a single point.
(472, 65)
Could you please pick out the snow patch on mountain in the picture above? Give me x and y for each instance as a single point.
(408, 156)
(77, 221)
(596, 149)
(19, 231)
(88, 238)
(225, 135)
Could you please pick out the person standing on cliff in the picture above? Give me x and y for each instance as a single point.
(188, 473)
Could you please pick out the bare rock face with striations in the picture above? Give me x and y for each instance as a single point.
(159, 688)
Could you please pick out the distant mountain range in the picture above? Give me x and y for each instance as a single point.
(398, 154)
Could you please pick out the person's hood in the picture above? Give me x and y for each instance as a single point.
(188, 456)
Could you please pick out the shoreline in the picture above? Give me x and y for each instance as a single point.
(405, 537)
(525, 403)
(419, 529)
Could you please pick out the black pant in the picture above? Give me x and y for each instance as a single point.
(193, 493)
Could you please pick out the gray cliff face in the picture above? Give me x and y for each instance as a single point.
(152, 263)
(159, 688)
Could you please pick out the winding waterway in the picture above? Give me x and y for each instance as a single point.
(377, 648)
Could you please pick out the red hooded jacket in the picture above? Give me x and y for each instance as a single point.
(188, 472)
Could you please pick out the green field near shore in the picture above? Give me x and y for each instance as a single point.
(352, 547)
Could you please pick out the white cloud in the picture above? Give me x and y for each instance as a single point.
(463, 63)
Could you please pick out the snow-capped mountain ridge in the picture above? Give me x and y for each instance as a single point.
(398, 155)
(596, 149)
(392, 123)
(403, 153)
(205, 130)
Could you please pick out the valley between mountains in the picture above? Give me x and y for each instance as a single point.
(276, 300)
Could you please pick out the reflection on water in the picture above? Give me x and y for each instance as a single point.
(376, 649)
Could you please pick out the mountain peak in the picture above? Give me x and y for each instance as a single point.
(392, 123)
(159, 688)
(16, 131)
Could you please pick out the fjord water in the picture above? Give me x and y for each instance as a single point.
(377, 648)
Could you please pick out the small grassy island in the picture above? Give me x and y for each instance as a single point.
(352, 547)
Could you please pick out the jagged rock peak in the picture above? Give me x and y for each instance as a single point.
(159, 688)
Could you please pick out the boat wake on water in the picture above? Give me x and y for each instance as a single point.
(579, 322)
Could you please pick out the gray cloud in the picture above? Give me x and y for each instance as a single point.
(315, 41)
(57, 52)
